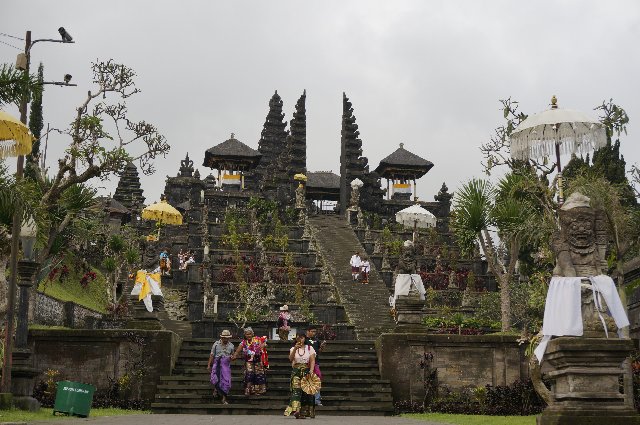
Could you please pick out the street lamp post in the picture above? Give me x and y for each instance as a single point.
(24, 60)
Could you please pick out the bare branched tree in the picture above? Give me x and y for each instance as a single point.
(95, 151)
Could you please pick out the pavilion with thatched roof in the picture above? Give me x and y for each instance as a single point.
(323, 186)
(400, 169)
(232, 159)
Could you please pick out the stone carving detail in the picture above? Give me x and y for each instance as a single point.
(377, 248)
(367, 233)
(386, 266)
(300, 196)
(186, 167)
(355, 197)
(580, 246)
(360, 218)
(407, 262)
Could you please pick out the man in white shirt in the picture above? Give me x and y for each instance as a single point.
(355, 265)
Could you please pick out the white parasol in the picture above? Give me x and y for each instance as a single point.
(416, 216)
(556, 131)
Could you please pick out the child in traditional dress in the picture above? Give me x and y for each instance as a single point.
(365, 269)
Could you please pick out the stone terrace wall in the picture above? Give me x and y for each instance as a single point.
(53, 312)
(94, 356)
(462, 361)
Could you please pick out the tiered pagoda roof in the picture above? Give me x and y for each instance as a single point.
(231, 154)
(129, 192)
(403, 163)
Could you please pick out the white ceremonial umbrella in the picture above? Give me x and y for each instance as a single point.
(556, 131)
(416, 216)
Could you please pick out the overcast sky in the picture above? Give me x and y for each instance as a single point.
(426, 73)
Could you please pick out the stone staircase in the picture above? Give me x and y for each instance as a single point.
(367, 306)
(351, 382)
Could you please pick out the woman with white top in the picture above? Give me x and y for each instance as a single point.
(365, 268)
(303, 358)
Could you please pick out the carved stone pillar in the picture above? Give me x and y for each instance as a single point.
(408, 312)
(22, 370)
(586, 387)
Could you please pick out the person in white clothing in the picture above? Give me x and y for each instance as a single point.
(366, 268)
(356, 263)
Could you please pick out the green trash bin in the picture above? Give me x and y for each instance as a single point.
(73, 398)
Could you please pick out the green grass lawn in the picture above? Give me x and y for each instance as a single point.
(94, 296)
(472, 419)
(45, 414)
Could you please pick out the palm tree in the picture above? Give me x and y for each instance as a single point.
(14, 84)
(509, 212)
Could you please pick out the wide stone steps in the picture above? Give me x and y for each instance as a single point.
(266, 409)
(351, 382)
(335, 391)
(280, 400)
(366, 306)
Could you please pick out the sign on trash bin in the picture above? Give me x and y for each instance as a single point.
(73, 398)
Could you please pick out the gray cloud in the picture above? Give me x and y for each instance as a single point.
(428, 74)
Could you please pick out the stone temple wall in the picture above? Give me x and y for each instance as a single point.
(53, 312)
(96, 356)
(462, 361)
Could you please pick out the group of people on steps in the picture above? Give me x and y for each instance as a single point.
(360, 268)
(305, 370)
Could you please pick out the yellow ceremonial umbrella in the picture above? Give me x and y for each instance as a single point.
(15, 137)
(162, 212)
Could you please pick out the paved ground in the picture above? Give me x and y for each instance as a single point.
(236, 420)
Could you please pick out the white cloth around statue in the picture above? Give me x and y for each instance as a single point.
(563, 307)
(146, 285)
(403, 286)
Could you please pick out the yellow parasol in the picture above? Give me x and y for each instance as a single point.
(310, 384)
(162, 212)
(15, 137)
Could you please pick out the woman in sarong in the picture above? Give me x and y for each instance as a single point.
(220, 366)
(303, 358)
(284, 323)
(254, 355)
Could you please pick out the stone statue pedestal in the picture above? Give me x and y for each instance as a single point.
(143, 319)
(409, 313)
(585, 387)
(22, 380)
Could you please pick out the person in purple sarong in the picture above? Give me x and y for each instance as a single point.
(220, 365)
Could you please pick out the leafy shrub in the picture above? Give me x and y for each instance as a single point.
(519, 398)
(327, 333)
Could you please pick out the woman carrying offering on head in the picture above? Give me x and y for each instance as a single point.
(220, 359)
(284, 323)
(254, 354)
(302, 359)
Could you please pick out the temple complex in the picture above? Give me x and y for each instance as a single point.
(265, 231)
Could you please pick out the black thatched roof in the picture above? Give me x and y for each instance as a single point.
(403, 162)
(231, 150)
(110, 205)
(323, 180)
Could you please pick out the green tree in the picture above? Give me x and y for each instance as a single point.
(102, 139)
(483, 214)
(36, 123)
(15, 84)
